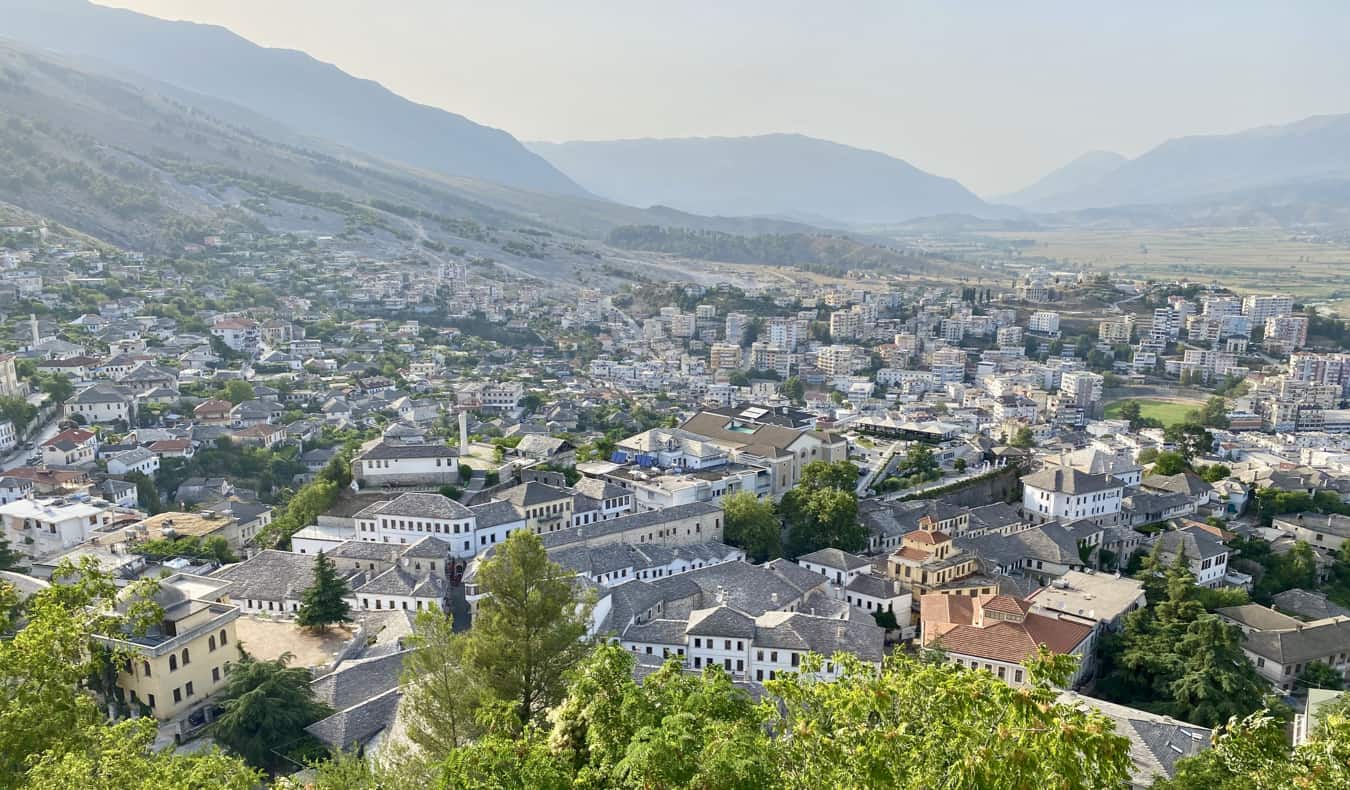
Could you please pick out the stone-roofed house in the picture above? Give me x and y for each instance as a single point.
(1204, 552)
(101, 403)
(392, 465)
(1000, 633)
(1281, 654)
(1066, 494)
(363, 694)
(1306, 604)
(754, 621)
(1325, 532)
(1157, 742)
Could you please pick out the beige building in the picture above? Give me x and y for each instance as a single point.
(724, 356)
(184, 659)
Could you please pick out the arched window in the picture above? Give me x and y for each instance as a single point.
(224, 640)
(146, 666)
(211, 643)
(186, 658)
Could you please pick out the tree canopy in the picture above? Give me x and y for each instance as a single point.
(324, 603)
(267, 705)
(752, 524)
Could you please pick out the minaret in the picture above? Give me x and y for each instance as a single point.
(33, 323)
(463, 433)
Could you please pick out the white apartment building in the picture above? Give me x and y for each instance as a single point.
(1262, 308)
(40, 528)
(1044, 322)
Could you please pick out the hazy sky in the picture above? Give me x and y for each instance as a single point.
(993, 94)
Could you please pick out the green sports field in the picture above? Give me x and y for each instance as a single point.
(1167, 412)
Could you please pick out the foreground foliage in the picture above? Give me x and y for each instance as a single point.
(915, 724)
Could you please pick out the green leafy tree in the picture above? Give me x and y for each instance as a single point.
(1132, 412)
(266, 706)
(1253, 754)
(237, 391)
(1215, 472)
(325, 602)
(442, 692)
(1189, 438)
(1170, 463)
(47, 663)
(1023, 438)
(528, 631)
(794, 390)
(752, 524)
(1320, 675)
(123, 755)
(1214, 414)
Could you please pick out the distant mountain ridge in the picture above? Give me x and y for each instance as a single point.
(1207, 167)
(1084, 171)
(309, 97)
(775, 175)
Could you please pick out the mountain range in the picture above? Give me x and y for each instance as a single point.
(778, 175)
(309, 97)
(1203, 168)
(108, 110)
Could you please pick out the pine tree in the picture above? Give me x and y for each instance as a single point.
(10, 560)
(324, 603)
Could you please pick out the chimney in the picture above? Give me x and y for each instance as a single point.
(463, 433)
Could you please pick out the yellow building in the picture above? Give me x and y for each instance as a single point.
(184, 659)
(928, 561)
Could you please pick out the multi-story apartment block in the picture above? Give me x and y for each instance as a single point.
(1263, 308)
(1045, 322)
(724, 356)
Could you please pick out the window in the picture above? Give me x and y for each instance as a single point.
(1017, 675)
(173, 663)
(211, 644)
(186, 658)
(151, 699)
(177, 696)
(145, 665)
(215, 674)
(796, 659)
(188, 688)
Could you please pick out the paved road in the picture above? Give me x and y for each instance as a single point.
(20, 454)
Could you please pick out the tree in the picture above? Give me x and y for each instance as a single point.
(442, 693)
(1132, 412)
(914, 724)
(738, 379)
(1173, 657)
(147, 496)
(325, 602)
(794, 390)
(1023, 438)
(823, 518)
(1170, 463)
(1189, 438)
(822, 474)
(1320, 675)
(17, 410)
(10, 560)
(47, 708)
(122, 755)
(751, 524)
(56, 386)
(528, 630)
(1214, 473)
(1214, 414)
(266, 705)
(1253, 754)
(237, 391)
